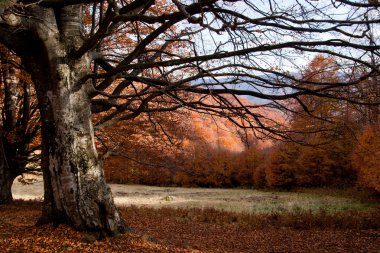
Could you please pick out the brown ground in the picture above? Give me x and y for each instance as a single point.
(177, 231)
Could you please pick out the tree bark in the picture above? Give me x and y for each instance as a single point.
(5, 188)
(6, 176)
(75, 188)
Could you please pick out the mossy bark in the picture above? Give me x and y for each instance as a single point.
(75, 189)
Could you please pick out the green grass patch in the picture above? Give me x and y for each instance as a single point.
(255, 201)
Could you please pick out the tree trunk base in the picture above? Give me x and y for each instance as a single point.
(97, 233)
(5, 199)
(56, 218)
(6, 190)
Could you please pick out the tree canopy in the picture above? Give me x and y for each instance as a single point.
(185, 52)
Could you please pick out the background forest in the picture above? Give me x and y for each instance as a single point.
(333, 143)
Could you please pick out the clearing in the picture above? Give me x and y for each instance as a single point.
(231, 200)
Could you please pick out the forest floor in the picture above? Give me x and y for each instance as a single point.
(204, 220)
(192, 230)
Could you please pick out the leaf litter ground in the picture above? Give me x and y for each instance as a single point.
(189, 230)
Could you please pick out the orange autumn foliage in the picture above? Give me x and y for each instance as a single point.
(292, 164)
(196, 156)
(208, 155)
(366, 158)
(282, 165)
(321, 154)
(210, 167)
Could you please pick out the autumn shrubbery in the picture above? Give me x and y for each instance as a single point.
(324, 160)
(206, 167)
(220, 168)
(285, 165)
(122, 170)
(291, 164)
(366, 158)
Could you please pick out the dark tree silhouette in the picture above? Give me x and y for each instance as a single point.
(19, 127)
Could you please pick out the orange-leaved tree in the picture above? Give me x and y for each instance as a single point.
(321, 130)
(366, 158)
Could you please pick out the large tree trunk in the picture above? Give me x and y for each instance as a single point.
(11, 166)
(6, 176)
(5, 187)
(75, 188)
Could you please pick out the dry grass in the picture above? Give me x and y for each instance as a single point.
(358, 220)
(231, 200)
(249, 201)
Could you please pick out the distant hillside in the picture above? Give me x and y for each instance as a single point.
(184, 148)
(221, 133)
